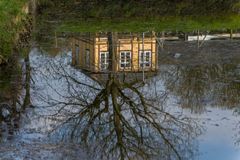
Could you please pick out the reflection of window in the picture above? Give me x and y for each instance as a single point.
(125, 59)
(145, 59)
(77, 54)
(87, 56)
(104, 60)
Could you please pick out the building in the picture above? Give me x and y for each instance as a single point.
(131, 52)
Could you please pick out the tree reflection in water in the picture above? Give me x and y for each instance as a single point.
(117, 118)
(14, 96)
(198, 86)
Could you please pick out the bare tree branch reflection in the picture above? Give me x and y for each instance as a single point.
(116, 119)
(197, 86)
(13, 98)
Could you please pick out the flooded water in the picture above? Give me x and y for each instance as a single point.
(183, 105)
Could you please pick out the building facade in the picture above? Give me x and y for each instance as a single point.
(130, 53)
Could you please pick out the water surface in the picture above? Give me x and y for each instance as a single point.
(188, 109)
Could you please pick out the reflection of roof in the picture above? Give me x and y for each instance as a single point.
(122, 77)
(91, 36)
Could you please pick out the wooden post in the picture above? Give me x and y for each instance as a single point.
(56, 41)
(185, 37)
(198, 43)
(162, 40)
(231, 34)
(143, 36)
(203, 40)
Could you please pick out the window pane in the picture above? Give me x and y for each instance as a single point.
(147, 59)
(125, 59)
(104, 60)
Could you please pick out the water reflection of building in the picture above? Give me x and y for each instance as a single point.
(131, 78)
(131, 53)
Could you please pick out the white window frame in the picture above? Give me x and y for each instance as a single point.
(105, 61)
(124, 60)
(143, 61)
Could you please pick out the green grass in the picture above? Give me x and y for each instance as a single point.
(186, 24)
(9, 9)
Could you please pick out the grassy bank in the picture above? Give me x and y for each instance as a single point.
(142, 8)
(167, 23)
(141, 15)
(9, 10)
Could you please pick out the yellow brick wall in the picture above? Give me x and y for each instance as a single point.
(83, 46)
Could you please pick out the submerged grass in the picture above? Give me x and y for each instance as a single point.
(176, 23)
